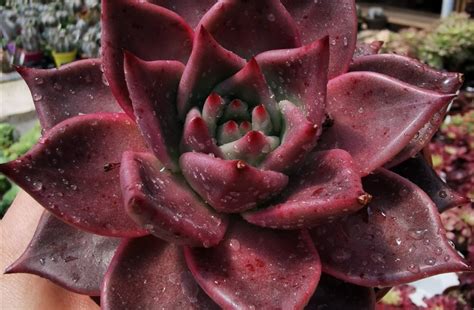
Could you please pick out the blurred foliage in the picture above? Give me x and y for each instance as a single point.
(13, 146)
(449, 44)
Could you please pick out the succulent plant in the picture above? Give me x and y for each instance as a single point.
(227, 154)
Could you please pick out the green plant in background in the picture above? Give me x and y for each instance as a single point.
(11, 147)
(450, 45)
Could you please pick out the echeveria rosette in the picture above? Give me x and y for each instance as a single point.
(227, 154)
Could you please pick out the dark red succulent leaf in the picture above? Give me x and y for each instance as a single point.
(366, 49)
(153, 88)
(208, 65)
(299, 75)
(410, 71)
(67, 256)
(139, 27)
(191, 10)
(230, 186)
(338, 19)
(418, 171)
(298, 140)
(335, 294)
(248, 28)
(397, 239)
(327, 186)
(250, 86)
(257, 268)
(147, 272)
(73, 172)
(421, 139)
(375, 116)
(71, 90)
(197, 137)
(165, 205)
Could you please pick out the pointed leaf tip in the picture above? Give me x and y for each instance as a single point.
(375, 116)
(230, 186)
(397, 239)
(72, 172)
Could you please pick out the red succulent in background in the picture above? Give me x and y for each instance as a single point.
(206, 110)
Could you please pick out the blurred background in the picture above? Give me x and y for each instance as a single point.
(49, 34)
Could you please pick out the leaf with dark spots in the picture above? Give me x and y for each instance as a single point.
(265, 26)
(397, 239)
(74, 89)
(137, 26)
(418, 171)
(147, 272)
(317, 19)
(67, 256)
(165, 205)
(65, 172)
(328, 186)
(230, 186)
(376, 116)
(256, 268)
(335, 294)
(153, 89)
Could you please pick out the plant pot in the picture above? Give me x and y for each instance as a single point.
(64, 58)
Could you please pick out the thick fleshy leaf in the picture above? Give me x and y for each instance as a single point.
(410, 71)
(299, 138)
(196, 136)
(256, 268)
(366, 49)
(250, 86)
(399, 238)
(67, 256)
(72, 172)
(300, 76)
(250, 27)
(328, 186)
(191, 10)
(165, 205)
(208, 65)
(137, 26)
(421, 139)
(153, 87)
(338, 19)
(147, 273)
(230, 186)
(418, 171)
(375, 116)
(251, 148)
(71, 90)
(335, 294)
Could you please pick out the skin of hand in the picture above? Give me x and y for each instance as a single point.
(24, 291)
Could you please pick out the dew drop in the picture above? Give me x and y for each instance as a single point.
(430, 261)
(104, 80)
(442, 194)
(42, 261)
(37, 97)
(37, 186)
(446, 258)
(413, 268)
(39, 80)
(340, 255)
(417, 234)
(234, 244)
(57, 86)
(438, 251)
(271, 17)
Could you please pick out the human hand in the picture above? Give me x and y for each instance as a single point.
(24, 291)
